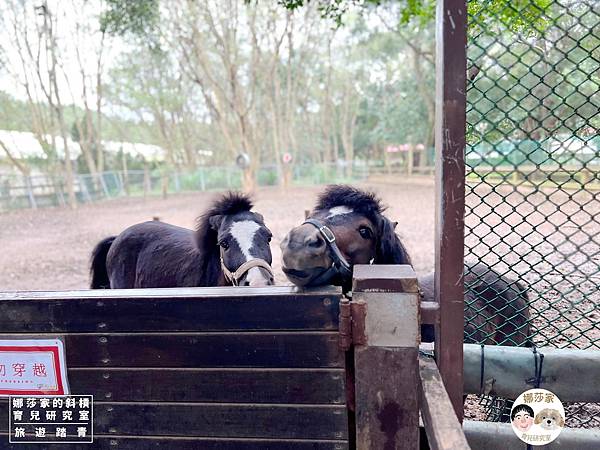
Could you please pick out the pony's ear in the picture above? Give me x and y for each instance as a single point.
(215, 221)
(260, 217)
(561, 421)
(389, 249)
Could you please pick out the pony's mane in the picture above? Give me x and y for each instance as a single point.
(228, 204)
(362, 202)
(390, 249)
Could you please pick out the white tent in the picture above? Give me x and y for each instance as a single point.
(23, 144)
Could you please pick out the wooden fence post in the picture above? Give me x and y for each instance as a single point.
(386, 357)
(450, 126)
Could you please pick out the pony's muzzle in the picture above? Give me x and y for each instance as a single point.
(257, 277)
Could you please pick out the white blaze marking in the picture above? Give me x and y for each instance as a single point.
(339, 210)
(243, 232)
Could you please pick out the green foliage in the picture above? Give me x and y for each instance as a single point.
(529, 17)
(135, 17)
(525, 16)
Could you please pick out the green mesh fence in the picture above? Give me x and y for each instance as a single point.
(533, 183)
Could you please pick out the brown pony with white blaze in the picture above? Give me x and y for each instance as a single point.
(348, 227)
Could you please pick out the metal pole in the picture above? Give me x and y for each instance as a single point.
(500, 436)
(30, 193)
(450, 123)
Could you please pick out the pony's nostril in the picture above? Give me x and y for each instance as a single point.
(246, 283)
(315, 241)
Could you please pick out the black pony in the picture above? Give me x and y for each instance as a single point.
(229, 246)
(348, 227)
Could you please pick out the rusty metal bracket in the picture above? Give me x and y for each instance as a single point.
(352, 323)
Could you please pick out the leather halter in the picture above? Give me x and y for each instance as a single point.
(340, 265)
(234, 277)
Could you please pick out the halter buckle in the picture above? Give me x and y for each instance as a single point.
(327, 234)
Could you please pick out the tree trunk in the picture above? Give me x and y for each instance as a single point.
(51, 43)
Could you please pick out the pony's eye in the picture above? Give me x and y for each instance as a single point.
(224, 245)
(365, 232)
(269, 239)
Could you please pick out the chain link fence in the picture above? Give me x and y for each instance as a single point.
(533, 160)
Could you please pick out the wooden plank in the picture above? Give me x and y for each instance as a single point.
(187, 292)
(384, 278)
(61, 313)
(387, 411)
(105, 442)
(430, 313)
(315, 386)
(216, 420)
(450, 126)
(392, 318)
(444, 431)
(286, 350)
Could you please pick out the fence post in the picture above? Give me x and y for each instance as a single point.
(117, 182)
(103, 184)
(386, 357)
(177, 181)
(60, 198)
(30, 194)
(84, 189)
(147, 181)
(450, 126)
(202, 181)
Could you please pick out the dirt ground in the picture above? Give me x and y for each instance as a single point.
(49, 249)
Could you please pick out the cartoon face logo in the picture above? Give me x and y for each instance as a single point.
(549, 419)
(522, 417)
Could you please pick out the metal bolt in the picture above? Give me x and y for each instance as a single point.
(103, 340)
(327, 301)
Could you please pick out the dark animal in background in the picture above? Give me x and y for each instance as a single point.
(348, 227)
(496, 308)
(229, 246)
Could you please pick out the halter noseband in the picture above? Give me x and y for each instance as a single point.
(340, 265)
(234, 277)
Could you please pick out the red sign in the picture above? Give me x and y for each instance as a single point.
(32, 367)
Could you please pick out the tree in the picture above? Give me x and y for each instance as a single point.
(35, 42)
